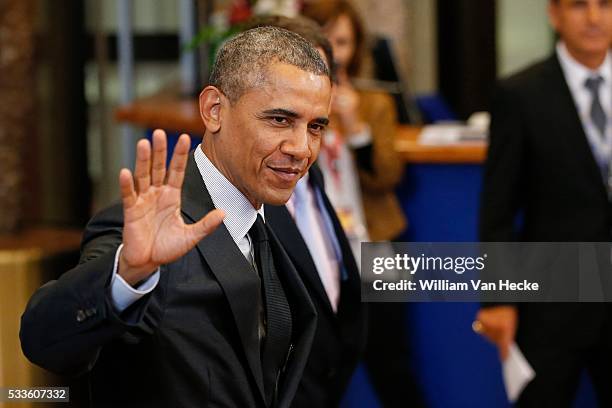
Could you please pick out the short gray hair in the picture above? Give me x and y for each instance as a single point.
(241, 62)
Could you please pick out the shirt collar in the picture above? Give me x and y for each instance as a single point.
(576, 73)
(239, 212)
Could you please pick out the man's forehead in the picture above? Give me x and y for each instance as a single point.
(282, 74)
(285, 86)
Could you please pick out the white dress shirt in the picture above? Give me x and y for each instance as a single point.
(576, 75)
(239, 218)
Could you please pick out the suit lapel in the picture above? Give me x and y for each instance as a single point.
(240, 283)
(304, 319)
(569, 123)
(288, 233)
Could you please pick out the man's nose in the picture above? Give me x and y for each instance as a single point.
(297, 145)
(594, 12)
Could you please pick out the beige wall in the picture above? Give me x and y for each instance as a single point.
(422, 45)
(523, 34)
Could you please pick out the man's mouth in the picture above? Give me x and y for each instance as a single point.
(593, 33)
(287, 173)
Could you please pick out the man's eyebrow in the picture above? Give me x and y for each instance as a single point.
(281, 111)
(291, 114)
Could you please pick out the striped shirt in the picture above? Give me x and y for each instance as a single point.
(239, 212)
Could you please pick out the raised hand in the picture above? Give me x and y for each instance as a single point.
(154, 232)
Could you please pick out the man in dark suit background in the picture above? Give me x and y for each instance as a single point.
(164, 309)
(549, 160)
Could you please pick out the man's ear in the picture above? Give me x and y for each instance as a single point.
(210, 108)
(553, 15)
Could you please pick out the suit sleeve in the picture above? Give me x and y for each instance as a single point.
(67, 321)
(501, 196)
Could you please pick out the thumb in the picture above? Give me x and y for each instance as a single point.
(207, 225)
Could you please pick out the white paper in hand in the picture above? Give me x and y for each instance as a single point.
(517, 373)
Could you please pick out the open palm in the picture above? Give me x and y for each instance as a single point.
(154, 232)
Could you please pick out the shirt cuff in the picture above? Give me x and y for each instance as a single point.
(122, 293)
(360, 139)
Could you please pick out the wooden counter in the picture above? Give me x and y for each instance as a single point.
(407, 144)
(170, 112)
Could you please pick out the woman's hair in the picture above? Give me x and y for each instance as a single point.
(327, 12)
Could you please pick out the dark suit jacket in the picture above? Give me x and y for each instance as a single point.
(540, 165)
(192, 342)
(339, 338)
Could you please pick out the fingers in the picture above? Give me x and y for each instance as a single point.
(143, 164)
(176, 172)
(152, 170)
(207, 225)
(494, 335)
(126, 185)
(486, 332)
(158, 169)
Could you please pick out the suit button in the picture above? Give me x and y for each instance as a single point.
(331, 373)
(81, 316)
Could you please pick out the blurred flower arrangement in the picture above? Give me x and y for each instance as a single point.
(230, 20)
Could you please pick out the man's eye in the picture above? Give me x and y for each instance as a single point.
(280, 120)
(317, 128)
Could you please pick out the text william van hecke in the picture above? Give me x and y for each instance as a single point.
(447, 285)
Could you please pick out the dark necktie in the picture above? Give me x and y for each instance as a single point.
(276, 343)
(598, 116)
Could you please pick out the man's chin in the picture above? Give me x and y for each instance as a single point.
(277, 196)
(278, 200)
